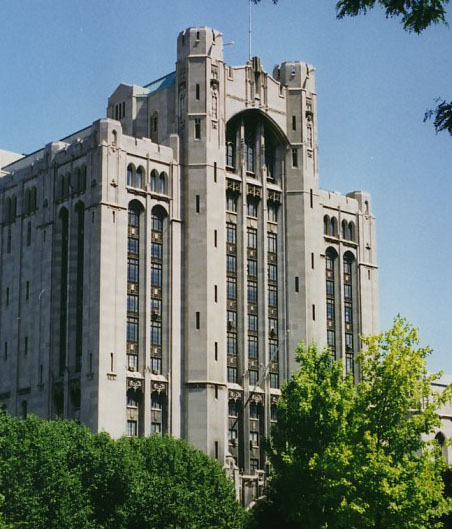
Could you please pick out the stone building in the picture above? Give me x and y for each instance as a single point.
(159, 267)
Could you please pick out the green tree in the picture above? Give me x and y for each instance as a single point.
(56, 474)
(385, 473)
(309, 449)
(416, 16)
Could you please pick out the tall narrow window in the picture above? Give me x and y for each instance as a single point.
(80, 212)
(230, 155)
(139, 180)
(130, 171)
(294, 158)
(294, 122)
(133, 286)
(197, 129)
(249, 149)
(64, 225)
(231, 201)
(197, 92)
(330, 278)
(348, 312)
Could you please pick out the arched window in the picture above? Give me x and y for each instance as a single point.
(154, 177)
(139, 178)
(331, 291)
(351, 231)
(333, 227)
(326, 225)
(130, 171)
(157, 217)
(162, 183)
(344, 229)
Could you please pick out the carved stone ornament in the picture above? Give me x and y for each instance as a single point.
(274, 196)
(274, 399)
(159, 387)
(134, 384)
(232, 185)
(254, 190)
(234, 395)
(257, 398)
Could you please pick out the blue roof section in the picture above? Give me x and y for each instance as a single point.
(164, 82)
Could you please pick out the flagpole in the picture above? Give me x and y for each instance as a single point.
(249, 32)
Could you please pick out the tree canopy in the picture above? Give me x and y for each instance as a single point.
(416, 16)
(358, 457)
(57, 474)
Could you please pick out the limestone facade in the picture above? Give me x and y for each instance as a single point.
(159, 267)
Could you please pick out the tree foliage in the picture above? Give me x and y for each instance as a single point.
(346, 457)
(57, 474)
(416, 15)
(309, 447)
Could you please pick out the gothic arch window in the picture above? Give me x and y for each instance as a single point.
(162, 183)
(331, 295)
(135, 236)
(326, 225)
(130, 174)
(351, 232)
(349, 318)
(333, 227)
(139, 179)
(154, 178)
(344, 229)
(157, 216)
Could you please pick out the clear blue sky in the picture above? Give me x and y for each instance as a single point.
(60, 60)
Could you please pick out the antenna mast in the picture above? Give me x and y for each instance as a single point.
(250, 29)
